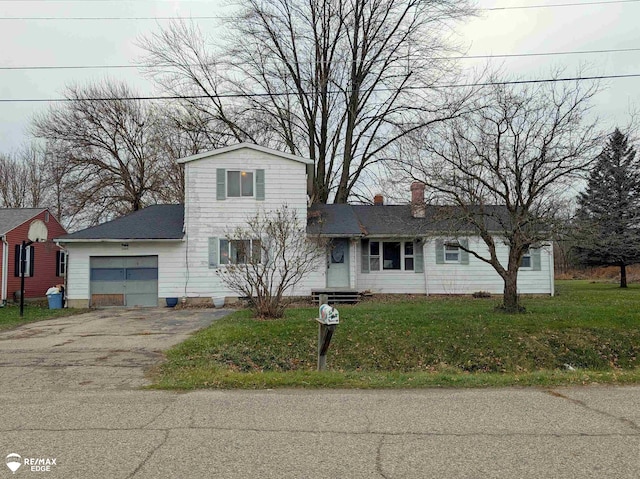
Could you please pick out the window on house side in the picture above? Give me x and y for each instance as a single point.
(238, 251)
(408, 256)
(61, 264)
(27, 264)
(239, 184)
(391, 252)
(451, 253)
(525, 262)
(374, 256)
(392, 255)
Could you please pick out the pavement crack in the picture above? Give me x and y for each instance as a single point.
(157, 416)
(584, 405)
(151, 453)
(379, 469)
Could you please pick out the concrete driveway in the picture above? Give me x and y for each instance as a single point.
(103, 349)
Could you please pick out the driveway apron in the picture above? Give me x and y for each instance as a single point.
(103, 349)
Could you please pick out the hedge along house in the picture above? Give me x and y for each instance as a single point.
(45, 262)
(176, 250)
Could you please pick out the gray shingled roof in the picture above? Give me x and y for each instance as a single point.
(166, 222)
(12, 217)
(154, 222)
(394, 220)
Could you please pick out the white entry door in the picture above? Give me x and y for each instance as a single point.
(338, 264)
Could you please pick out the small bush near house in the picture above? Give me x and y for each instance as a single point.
(481, 294)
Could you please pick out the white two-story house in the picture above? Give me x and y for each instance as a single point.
(175, 251)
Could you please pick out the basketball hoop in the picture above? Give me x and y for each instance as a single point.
(38, 232)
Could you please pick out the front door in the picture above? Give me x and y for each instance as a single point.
(338, 264)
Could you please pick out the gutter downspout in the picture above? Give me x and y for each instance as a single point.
(5, 261)
(424, 266)
(552, 282)
(65, 297)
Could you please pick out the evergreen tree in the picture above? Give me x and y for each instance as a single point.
(609, 210)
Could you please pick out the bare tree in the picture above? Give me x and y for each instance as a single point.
(23, 182)
(521, 150)
(267, 258)
(104, 140)
(333, 80)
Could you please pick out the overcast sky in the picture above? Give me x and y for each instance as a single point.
(31, 43)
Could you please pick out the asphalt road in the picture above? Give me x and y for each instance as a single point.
(109, 428)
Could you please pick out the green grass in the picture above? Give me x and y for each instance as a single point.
(10, 314)
(445, 341)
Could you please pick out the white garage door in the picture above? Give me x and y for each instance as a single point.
(124, 281)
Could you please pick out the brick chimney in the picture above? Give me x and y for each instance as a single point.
(418, 207)
(378, 200)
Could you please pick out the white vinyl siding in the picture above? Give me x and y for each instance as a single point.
(277, 181)
(477, 275)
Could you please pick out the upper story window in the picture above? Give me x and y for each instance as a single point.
(240, 184)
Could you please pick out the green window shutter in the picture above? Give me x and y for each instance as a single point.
(260, 185)
(213, 252)
(464, 255)
(536, 262)
(364, 245)
(221, 184)
(418, 266)
(439, 251)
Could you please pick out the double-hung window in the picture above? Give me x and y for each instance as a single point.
(240, 251)
(240, 184)
(451, 252)
(29, 257)
(525, 262)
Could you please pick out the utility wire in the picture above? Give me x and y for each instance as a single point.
(256, 95)
(217, 17)
(456, 57)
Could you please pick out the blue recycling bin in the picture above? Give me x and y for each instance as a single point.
(55, 300)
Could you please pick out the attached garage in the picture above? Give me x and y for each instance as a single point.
(124, 281)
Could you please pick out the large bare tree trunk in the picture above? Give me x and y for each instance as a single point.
(511, 301)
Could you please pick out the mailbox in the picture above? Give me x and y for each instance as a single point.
(328, 315)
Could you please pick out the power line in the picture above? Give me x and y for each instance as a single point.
(457, 57)
(554, 5)
(257, 95)
(218, 17)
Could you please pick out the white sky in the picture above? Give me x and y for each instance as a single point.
(108, 42)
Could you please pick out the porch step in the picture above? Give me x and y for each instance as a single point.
(336, 296)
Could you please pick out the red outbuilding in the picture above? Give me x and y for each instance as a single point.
(46, 262)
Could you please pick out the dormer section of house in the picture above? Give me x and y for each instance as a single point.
(224, 188)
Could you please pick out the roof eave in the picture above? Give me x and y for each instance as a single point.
(118, 240)
(227, 149)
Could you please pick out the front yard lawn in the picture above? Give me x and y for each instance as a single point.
(589, 333)
(10, 314)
